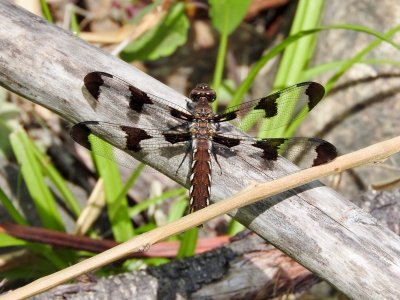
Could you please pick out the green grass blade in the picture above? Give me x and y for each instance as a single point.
(146, 227)
(58, 181)
(323, 68)
(5, 148)
(46, 11)
(138, 208)
(297, 55)
(11, 210)
(235, 227)
(294, 59)
(10, 241)
(178, 208)
(117, 206)
(31, 171)
(156, 261)
(331, 82)
(74, 23)
(385, 37)
(219, 66)
(188, 243)
(41, 250)
(129, 183)
(281, 130)
(50, 255)
(163, 39)
(247, 83)
(176, 211)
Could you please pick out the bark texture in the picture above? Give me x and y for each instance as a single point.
(248, 268)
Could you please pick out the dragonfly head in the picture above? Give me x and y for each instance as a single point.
(203, 90)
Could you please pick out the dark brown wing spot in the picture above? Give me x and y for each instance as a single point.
(134, 136)
(180, 115)
(226, 141)
(315, 93)
(177, 137)
(225, 117)
(270, 147)
(325, 153)
(138, 99)
(93, 82)
(80, 133)
(269, 105)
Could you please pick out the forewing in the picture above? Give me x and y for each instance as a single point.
(108, 89)
(280, 108)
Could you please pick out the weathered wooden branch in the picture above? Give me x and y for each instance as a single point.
(258, 271)
(384, 206)
(313, 224)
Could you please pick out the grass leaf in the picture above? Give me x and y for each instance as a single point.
(188, 243)
(138, 208)
(338, 64)
(248, 81)
(11, 210)
(117, 204)
(46, 11)
(162, 40)
(329, 85)
(35, 181)
(51, 172)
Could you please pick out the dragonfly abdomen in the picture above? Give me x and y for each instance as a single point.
(200, 178)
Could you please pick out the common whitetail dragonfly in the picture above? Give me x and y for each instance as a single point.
(200, 132)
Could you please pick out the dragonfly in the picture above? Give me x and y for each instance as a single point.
(196, 133)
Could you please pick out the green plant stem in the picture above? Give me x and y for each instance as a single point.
(219, 67)
(138, 208)
(296, 56)
(188, 243)
(294, 60)
(11, 210)
(331, 82)
(246, 84)
(334, 65)
(345, 67)
(46, 11)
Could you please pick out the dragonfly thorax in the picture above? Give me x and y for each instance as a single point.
(202, 129)
(203, 113)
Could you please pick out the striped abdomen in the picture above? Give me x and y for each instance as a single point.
(200, 179)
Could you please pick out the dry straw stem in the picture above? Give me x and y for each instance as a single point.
(371, 154)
